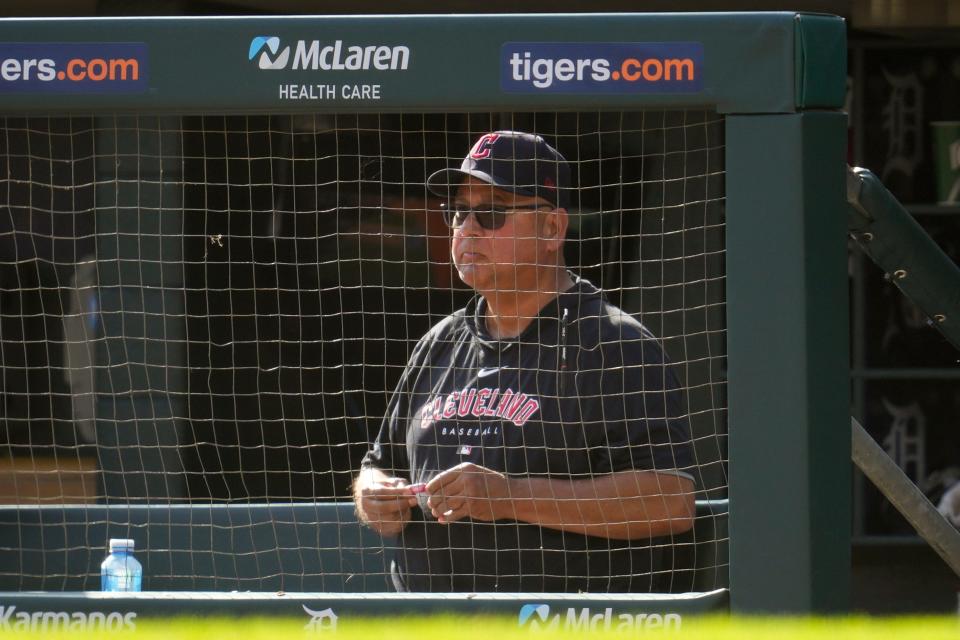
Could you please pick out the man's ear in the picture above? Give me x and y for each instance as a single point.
(555, 228)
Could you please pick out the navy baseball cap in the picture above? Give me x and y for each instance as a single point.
(519, 162)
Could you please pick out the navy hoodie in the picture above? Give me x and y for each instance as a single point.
(584, 390)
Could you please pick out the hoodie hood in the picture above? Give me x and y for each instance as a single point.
(563, 309)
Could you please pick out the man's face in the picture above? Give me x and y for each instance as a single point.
(503, 259)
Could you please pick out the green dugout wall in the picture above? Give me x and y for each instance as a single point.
(777, 78)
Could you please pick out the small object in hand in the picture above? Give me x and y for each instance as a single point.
(420, 487)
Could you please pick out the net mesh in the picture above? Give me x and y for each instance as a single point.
(215, 310)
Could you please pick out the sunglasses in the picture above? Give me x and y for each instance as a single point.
(489, 218)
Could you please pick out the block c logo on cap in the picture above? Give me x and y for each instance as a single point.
(484, 146)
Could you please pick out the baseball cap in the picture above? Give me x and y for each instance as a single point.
(519, 162)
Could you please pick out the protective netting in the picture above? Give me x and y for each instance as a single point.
(216, 310)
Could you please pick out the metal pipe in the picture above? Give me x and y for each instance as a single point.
(905, 496)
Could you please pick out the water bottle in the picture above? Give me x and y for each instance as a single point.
(120, 571)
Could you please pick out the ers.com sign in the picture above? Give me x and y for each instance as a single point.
(77, 67)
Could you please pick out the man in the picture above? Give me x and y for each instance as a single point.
(536, 440)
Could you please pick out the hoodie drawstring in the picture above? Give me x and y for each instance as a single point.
(563, 351)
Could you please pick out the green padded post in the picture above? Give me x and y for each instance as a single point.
(788, 363)
(820, 59)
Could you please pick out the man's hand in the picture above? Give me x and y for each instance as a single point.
(469, 491)
(384, 502)
(624, 505)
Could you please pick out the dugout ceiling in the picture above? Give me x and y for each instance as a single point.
(27, 8)
(890, 17)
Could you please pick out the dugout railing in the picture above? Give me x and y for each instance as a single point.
(260, 548)
(777, 81)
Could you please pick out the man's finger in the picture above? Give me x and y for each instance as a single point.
(445, 492)
(383, 497)
(442, 479)
(443, 505)
(387, 499)
(386, 490)
(451, 515)
(418, 488)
